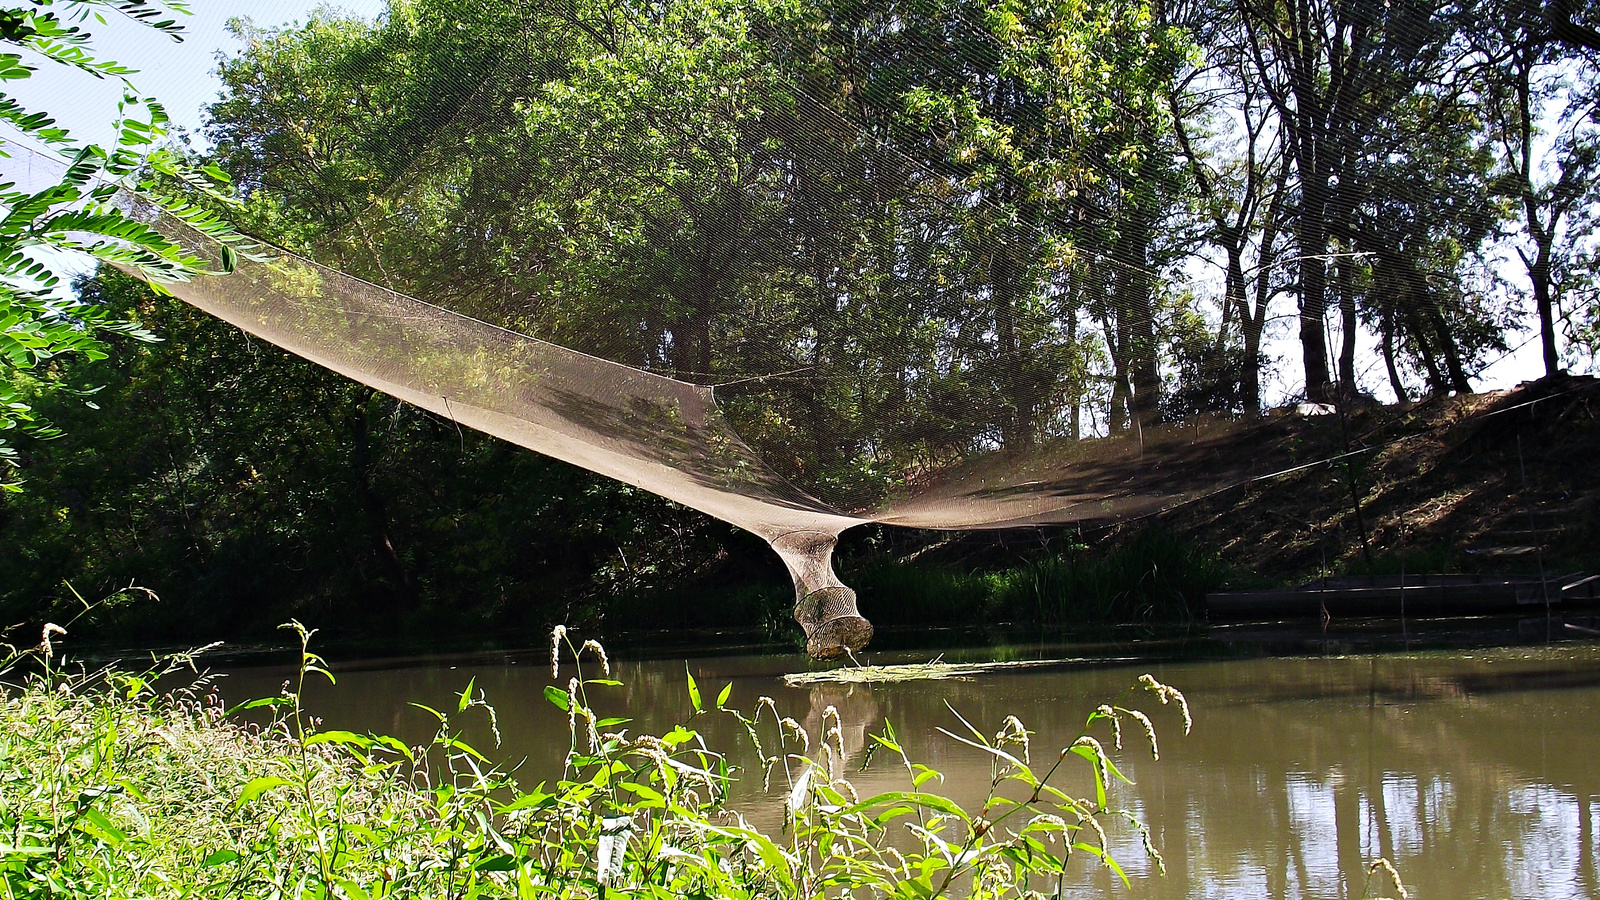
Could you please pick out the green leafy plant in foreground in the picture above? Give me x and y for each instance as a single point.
(80, 207)
(113, 788)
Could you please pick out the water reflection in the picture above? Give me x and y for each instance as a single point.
(1474, 773)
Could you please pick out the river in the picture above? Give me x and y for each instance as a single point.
(1474, 771)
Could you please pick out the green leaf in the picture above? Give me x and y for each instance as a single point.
(722, 698)
(678, 736)
(694, 689)
(534, 800)
(343, 738)
(498, 863)
(94, 823)
(1099, 781)
(219, 857)
(394, 744)
(1105, 857)
(466, 695)
(465, 748)
(1019, 770)
(428, 709)
(649, 795)
(926, 801)
(557, 697)
(254, 789)
(257, 704)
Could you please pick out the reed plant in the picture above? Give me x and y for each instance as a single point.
(113, 787)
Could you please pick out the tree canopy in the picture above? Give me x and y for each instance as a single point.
(896, 235)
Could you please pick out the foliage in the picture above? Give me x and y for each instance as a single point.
(75, 210)
(118, 789)
(890, 236)
(735, 189)
(1153, 576)
(245, 485)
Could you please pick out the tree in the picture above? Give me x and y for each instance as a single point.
(1428, 207)
(1530, 80)
(1239, 163)
(1333, 68)
(73, 210)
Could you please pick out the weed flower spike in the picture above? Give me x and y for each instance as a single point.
(557, 635)
(1116, 723)
(1149, 731)
(599, 652)
(572, 705)
(1167, 693)
(45, 646)
(1012, 730)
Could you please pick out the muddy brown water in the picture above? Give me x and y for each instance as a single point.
(1476, 772)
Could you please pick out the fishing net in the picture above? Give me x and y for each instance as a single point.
(787, 269)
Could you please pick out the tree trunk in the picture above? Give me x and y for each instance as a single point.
(1347, 321)
(1539, 276)
(1131, 297)
(1249, 328)
(1395, 384)
(1436, 383)
(1075, 425)
(1118, 419)
(1313, 247)
(1459, 381)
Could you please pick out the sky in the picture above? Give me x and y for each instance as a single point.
(179, 74)
(182, 75)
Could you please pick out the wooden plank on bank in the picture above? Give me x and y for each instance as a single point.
(1392, 595)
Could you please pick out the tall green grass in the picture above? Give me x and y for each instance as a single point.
(1155, 576)
(113, 788)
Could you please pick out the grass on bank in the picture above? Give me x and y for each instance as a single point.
(1156, 576)
(113, 788)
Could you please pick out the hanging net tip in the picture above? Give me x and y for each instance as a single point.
(832, 624)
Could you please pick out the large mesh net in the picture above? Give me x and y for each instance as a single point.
(931, 264)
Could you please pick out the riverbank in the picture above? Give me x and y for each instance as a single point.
(1499, 483)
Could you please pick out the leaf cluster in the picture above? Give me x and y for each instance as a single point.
(80, 205)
